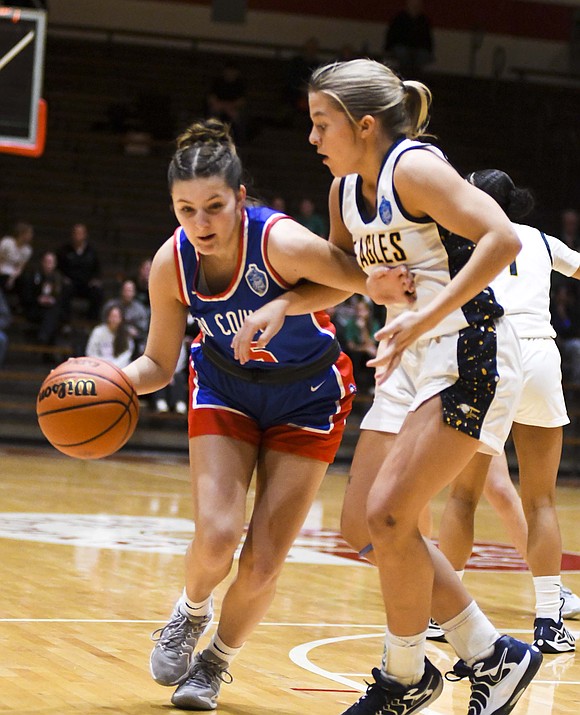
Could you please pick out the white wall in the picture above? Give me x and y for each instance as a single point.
(452, 48)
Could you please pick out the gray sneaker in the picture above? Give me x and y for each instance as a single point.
(204, 680)
(175, 643)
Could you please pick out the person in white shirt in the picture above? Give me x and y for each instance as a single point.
(135, 313)
(15, 252)
(523, 289)
(110, 339)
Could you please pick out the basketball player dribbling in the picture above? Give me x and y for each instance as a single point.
(282, 415)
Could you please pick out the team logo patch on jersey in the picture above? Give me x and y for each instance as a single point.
(385, 211)
(257, 279)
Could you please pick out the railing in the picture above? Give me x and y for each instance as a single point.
(193, 43)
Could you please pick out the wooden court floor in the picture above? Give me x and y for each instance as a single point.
(91, 564)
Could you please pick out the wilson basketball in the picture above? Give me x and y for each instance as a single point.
(87, 408)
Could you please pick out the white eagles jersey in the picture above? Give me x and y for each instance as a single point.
(392, 237)
(523, 288)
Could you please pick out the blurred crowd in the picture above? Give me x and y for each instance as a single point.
(59, 301)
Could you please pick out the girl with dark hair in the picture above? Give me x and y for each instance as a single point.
(523, 289)
(516, 201)
(281, 415)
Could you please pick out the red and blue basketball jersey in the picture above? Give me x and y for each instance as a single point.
(302, 339)
(305, 416)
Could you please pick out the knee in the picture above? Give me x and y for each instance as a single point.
(215, 547)
(389, 522)
(503, 499)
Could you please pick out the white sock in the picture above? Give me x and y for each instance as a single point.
(471, 634)
(193, 609)
(548, 596)
(405, 657)
(222, 651)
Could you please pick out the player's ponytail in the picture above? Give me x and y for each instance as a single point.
(517, 202)
(417, 103)
(205, 149)
(363, 86)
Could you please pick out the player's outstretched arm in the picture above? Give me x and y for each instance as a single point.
(155, 368)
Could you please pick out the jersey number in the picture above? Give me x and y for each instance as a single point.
(261, 354)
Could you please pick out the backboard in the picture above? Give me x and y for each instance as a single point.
(22, 41)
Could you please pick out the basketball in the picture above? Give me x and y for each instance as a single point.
(87, 408)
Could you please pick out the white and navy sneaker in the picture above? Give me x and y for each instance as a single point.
(435, 632)
(498, 681)
(552, 637)
(571, 605)
(386, 696)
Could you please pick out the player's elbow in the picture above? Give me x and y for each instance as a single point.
(513, 245)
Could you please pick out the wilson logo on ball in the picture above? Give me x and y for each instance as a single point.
(78, 388)
(87, 408)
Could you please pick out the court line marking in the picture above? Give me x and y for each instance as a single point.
(266, 624)
(299, 656)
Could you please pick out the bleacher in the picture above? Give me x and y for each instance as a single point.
(87, 175)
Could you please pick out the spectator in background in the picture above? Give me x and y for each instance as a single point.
(141, 281)
(227, 100)
(15, 252)
(308, 217)
(570, 230)
(110, 340)
(79, 262)
(278, 203)
(5, 320)
(340, 315)
(409, 40)
(299, 70)
(360, 344)
(44, 297)
(135, 314)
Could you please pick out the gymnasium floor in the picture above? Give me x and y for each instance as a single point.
(91, 564)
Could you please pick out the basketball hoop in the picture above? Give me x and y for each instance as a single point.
(37, 149)
(22, 109)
